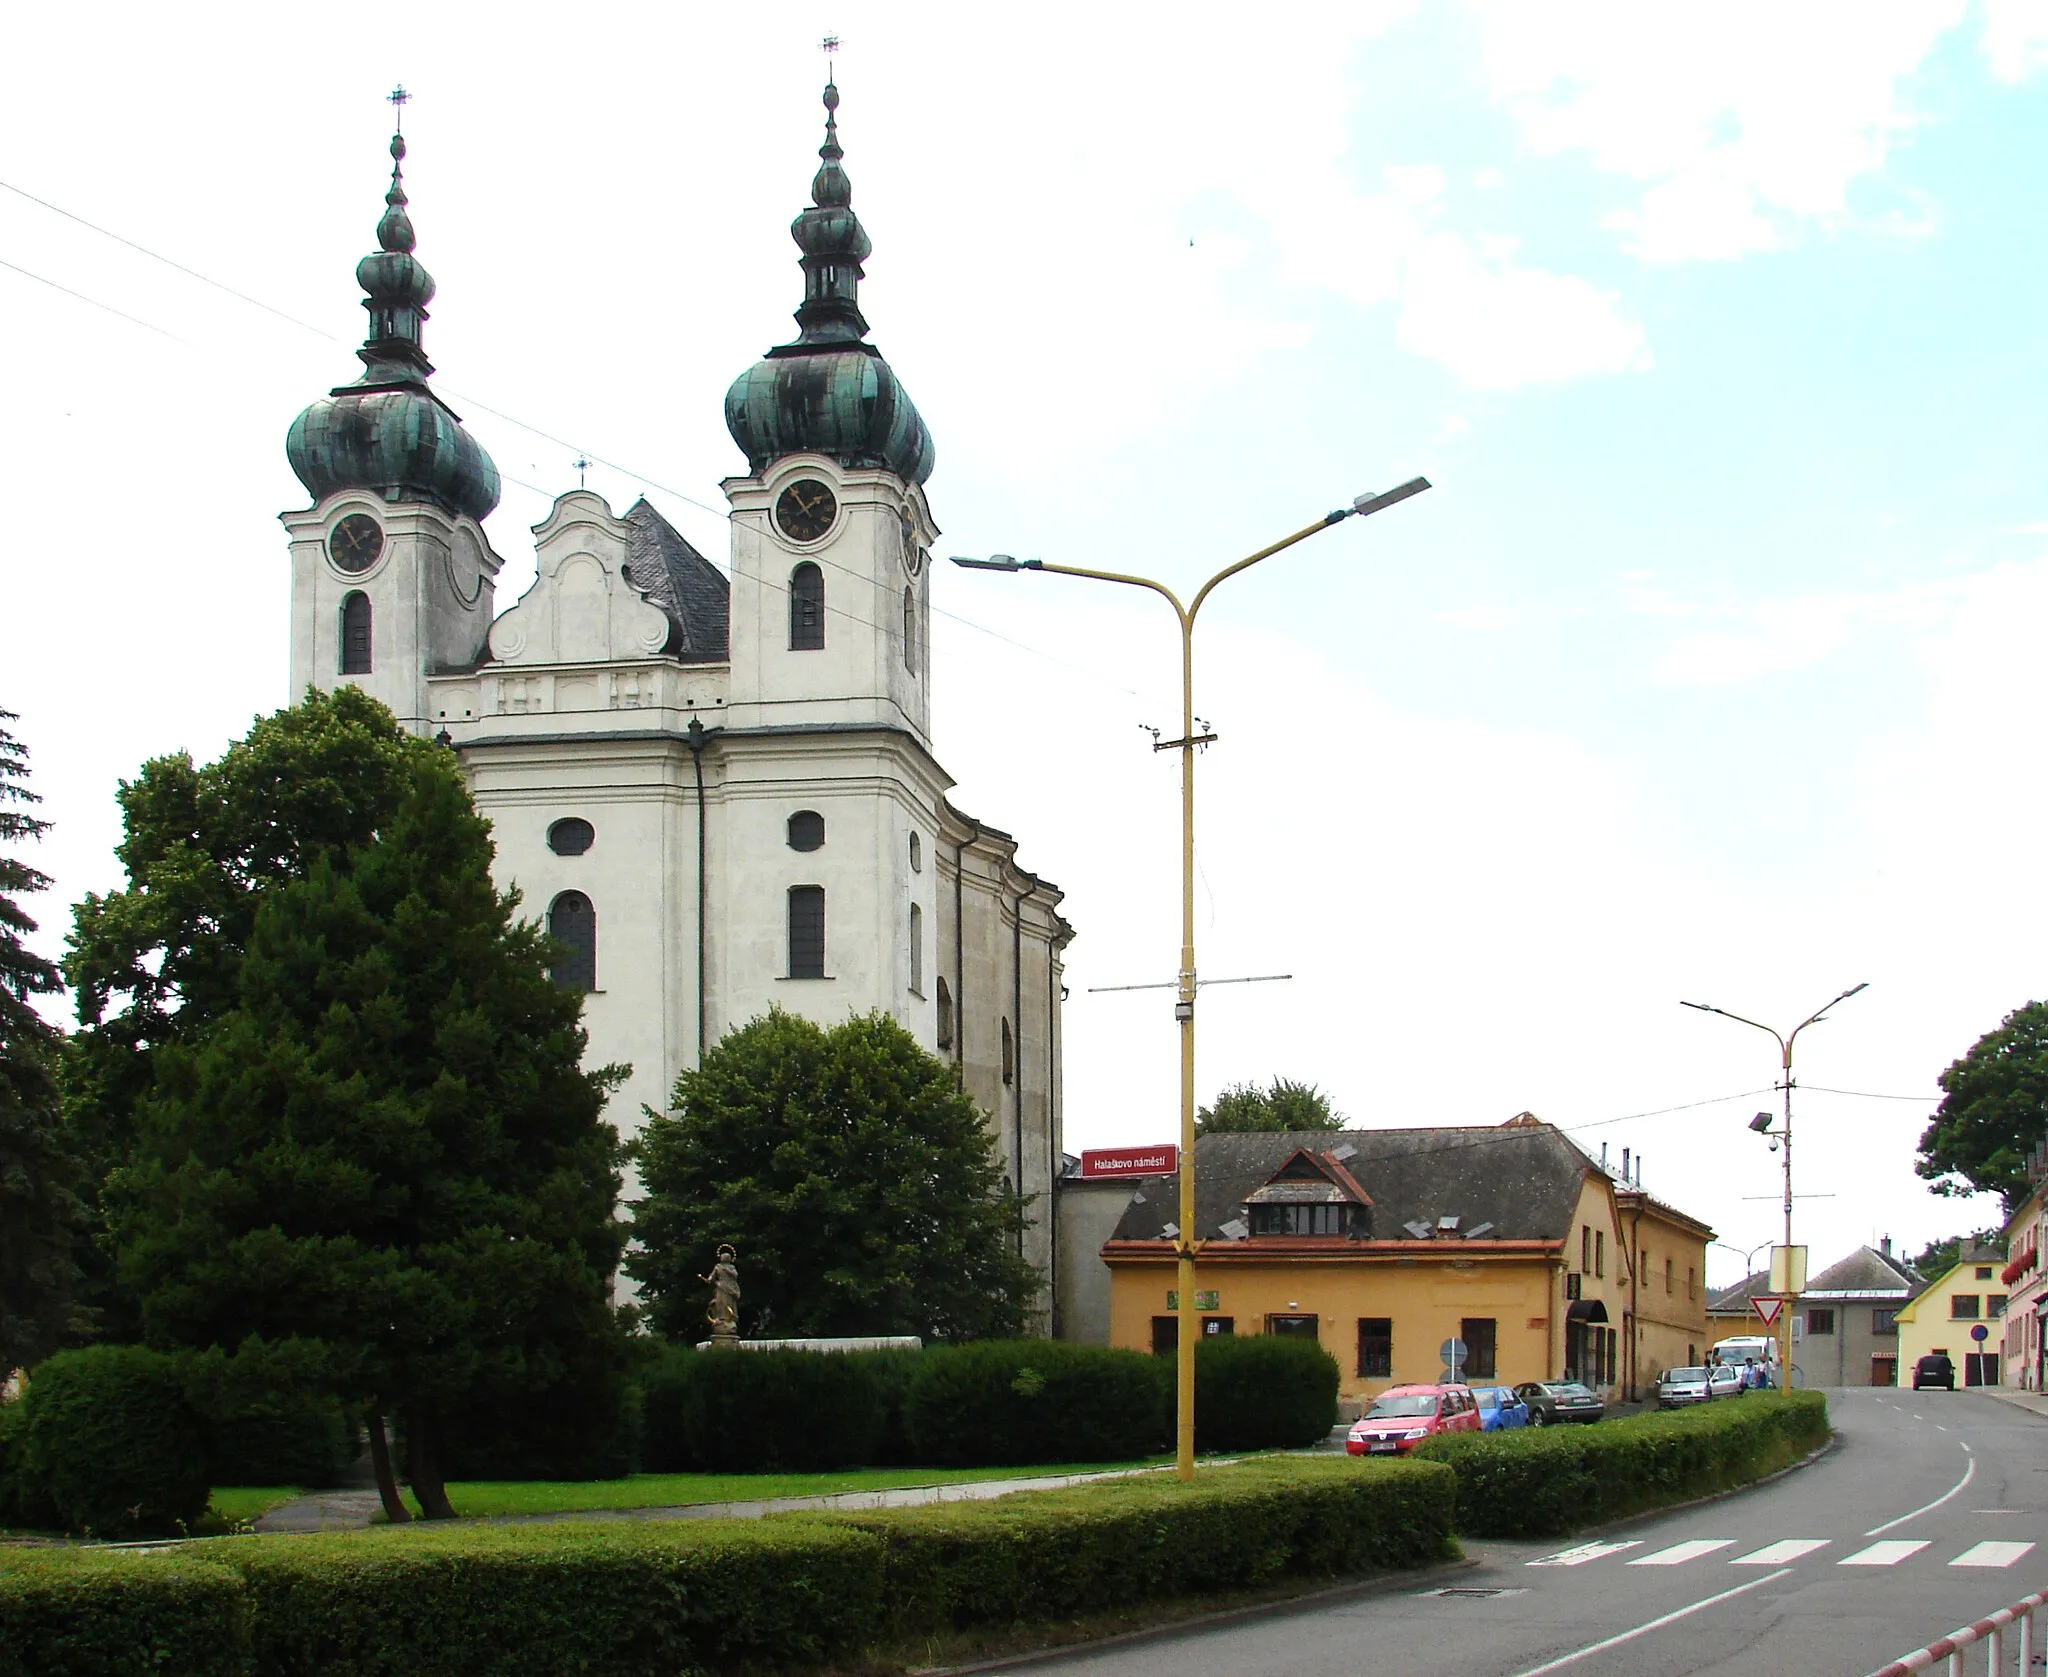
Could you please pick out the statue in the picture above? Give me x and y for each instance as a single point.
(724, 1312)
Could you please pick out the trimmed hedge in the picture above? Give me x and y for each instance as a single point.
(97, 1614)
(269, 1418)
(110, 1439)
(1263, 1392)
(1544, 1482)
(653, 1599)
(24, 1499)
(1002, 1402)
(780, 1411)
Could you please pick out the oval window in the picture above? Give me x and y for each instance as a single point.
(806, 830)
(571, 837)
(916, 854)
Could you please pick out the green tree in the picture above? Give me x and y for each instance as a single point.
(1938, 1257)
(378, 1136)
(856, 1180)
(1994, 1111)
(42, 1219)
(1283, 1105)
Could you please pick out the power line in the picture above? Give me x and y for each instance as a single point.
(1866, 1095)
(135, 320)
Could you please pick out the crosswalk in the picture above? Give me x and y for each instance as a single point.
(1890, 1551)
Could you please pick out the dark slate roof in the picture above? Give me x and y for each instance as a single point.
(688, 587)
(1865, 1270)
(1738, 1296)
(1524, 1180)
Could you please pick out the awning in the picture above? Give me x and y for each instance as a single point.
(1587, 1310)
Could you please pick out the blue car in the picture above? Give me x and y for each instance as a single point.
(1500, 1409)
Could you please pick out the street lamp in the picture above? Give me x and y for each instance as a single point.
(1186, 1246)
(1762, 1124)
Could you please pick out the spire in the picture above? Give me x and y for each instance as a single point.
(397, 288)
(834, 246)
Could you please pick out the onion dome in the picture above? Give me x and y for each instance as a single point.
(829, 392)
(388, 431)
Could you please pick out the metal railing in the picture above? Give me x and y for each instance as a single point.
(1990, 1632)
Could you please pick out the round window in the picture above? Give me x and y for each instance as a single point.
(806, 830)
(571, 837)
(916, 854)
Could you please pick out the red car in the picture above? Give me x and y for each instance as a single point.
(1402, 1416)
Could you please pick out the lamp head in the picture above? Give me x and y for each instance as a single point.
(1761, 1123)
(1364, 505)
(998, 562)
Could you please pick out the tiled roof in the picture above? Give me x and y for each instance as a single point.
(1524, 1180)
(688, 587)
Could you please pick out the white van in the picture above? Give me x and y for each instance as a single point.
(1750, 1348)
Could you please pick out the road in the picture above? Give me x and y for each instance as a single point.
(1930, 1513)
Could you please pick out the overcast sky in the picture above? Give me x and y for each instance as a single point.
(1709, 669)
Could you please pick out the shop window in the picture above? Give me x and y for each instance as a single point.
(1292, 1327)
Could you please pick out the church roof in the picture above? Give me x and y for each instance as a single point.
(691, 590)
(1523, 1181)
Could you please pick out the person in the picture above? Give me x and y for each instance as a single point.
(1752, 1375)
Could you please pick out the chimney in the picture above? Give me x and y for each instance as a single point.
(1885, 1246)
(1624, 1165)
(1603, 1155)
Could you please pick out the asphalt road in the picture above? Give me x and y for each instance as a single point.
(1931, 1512)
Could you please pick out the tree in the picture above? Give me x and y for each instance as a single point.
(377, 1135)
(1938, 1257)
(1994, 1111)
(856, 1180)
(41, 1216)
(1285, 1105)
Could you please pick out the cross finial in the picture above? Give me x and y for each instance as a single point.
(398, 98)
(829, 45)
(582, 466)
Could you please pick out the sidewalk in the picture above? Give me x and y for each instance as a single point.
(2034, 1402)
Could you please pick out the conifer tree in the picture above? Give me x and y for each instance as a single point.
(41, 1216)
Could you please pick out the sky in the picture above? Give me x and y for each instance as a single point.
(1707, 670)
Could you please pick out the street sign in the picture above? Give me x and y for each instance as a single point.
(1098, 1163)
(1453, 1353)
(1768, 1309)
(1980, 1333)
(1788, 1270)
(1204, 1300)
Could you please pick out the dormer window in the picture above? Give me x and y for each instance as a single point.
(1326, 1219)
(1311, 1194)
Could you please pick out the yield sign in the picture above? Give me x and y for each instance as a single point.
(1768, 1309)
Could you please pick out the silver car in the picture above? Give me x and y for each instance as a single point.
(1677, 1387)
(1726, 1380)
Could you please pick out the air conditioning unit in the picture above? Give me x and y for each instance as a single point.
(1571, 1285)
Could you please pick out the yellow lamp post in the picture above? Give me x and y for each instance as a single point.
(1792, 1282)
(1186, 1246)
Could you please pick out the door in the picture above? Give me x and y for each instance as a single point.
(1884, 1370)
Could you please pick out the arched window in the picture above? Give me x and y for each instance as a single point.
(806, 608)
(917, 949)
(1009, 1055)
(806, 830)
(945, 1015)
(355, 634)
(572, 923)
(916, 854)
(807, 931)
(910, 631)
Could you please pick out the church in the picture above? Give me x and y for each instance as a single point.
(715, 786)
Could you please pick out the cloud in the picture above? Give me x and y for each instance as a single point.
(1742, 121)
(2015, 38)
(1775, 637)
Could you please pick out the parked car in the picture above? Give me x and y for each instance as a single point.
(1935, 1370)
(1402, 1416)
(1677, 1387)
(1500, 1408)
(1552, 1401)
(1727, 1379)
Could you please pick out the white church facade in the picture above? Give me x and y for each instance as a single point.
(717, 790)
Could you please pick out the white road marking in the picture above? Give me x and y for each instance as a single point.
(1969, 1473)
(1679, 1553)
(1602, 1646)
(1585, 1552)
(1998, 1511)
(1888, 1553)
(1777, 1554)
(1938, 1427)
(1991, 1553)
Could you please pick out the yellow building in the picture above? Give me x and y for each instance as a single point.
(1384, 1245)
(1970, 1295)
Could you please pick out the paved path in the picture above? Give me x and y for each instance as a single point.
(327, 1511)
(1932, 1512)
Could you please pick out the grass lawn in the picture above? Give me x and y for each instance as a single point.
(659, 1490)
(237, 1503)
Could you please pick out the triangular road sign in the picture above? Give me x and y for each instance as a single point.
(1768, 1310)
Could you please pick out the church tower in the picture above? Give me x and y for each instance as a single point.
(392, 575)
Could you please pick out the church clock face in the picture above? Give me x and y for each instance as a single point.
(805, 510)
(913, 555)
(355, 543)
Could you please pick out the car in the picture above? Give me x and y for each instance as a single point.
(1935, 1370)
(1402, 1416)
(1500, 1409)
(1726, 1380)
(1677, 1387)
(1552, 1401)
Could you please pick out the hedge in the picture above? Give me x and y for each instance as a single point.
(109, 1438)
(1542, 1483)
(1263, 1392)
(269, 1417)
(1001, 1402)
(653, 1599)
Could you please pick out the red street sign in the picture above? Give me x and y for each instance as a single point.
(1769, 1309)
(1100, 1162)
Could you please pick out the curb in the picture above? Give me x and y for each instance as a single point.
(1379, 1583)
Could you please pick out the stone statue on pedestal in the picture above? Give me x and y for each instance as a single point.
(724, 1311)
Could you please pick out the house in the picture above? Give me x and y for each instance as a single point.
(1845, 1325)
(1967, 1296)
(1668, 1318)
(1729, 1311)
(2022, 1342)
(1387, 1245)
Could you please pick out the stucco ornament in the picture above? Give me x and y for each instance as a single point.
(724, 1312)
